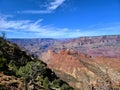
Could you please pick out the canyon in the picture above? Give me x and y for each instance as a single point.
(86, 63)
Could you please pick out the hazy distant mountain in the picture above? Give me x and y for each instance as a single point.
(108, 46)
(35, 46)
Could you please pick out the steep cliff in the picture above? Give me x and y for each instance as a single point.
(84, 72)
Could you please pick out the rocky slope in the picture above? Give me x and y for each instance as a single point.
(89, 63)
(21, 71)
(84, 72)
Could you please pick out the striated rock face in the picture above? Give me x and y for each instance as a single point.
(83, 71)
(108, 46)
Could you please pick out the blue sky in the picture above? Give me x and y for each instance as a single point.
(59, 18)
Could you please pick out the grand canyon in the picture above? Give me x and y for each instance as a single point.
(85, 63)
(59, 44)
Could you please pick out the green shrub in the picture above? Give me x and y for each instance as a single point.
(46, 83)
(12, 66)
(2, 87)
(3, 63)
(66, 87)
(56, 83)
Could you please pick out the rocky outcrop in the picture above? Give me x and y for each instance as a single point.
(84, 71)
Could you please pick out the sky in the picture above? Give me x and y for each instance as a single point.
(59, 18)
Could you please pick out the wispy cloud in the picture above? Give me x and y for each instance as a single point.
(27, 26)
(52, 6)
(36, 11)
(3, 16)
(55, 4)
(36, 29)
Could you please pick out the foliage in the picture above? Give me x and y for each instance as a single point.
(46, 83)
(2, 87)
(12, 66)
(3, 35)
(3, 62)
(66, 87)
(56, 83)
(31, 69)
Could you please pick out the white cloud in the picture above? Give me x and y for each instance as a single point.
(37, 30)
(52, 6)
(5, 16)
(36, 11)
(25, 26)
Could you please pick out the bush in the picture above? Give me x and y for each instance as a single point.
(66, 87)
(2, 87)
(56, 83)
(46, 83)
(12, 66)
(3, 63)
